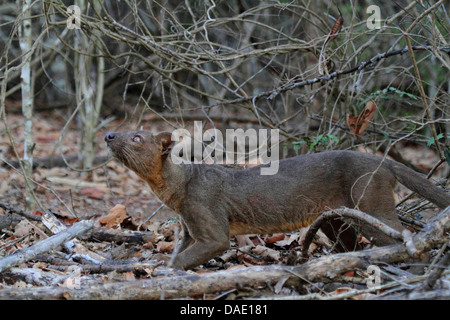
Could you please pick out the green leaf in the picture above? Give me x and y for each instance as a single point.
(298, 144)
(334, 138)
(386, 136)
(447, 155)
(411, 96)
(316, 141)
(431, 141)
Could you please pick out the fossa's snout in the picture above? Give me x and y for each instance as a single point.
(110, 136)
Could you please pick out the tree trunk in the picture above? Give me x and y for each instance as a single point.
(89, 90)
(27, 97)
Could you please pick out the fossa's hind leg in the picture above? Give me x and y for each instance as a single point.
(371, 194)
(377, 199)
(344, 235)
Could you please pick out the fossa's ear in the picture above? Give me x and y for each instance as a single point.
(164, 139)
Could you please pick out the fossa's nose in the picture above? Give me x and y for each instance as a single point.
(110, 136)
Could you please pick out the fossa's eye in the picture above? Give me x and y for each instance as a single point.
(137, 139)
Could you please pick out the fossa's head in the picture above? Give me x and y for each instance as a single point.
(141, 151)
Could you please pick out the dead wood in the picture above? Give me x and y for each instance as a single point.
(97, 233)
(441, 294)
(33, 276)
(323, 269)
(436, 273)
(346, 213)
(117, 266)
(23, 213)
(119, 236)
(45, 245)
(9, 220)
(59, 263)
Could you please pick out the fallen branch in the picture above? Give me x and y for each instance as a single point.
(45, 245)
(119, 236)
(9, 220)
(33, 276)
(20, 212)
(323, 269)
(436, 273)
(347, 213)
(120, 266)
(97, 233)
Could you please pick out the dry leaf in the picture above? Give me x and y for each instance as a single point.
(114, 218)
(69, 221)
(47, 137)
(92, 192)
(165, 246)
(358, 124)
(288, 239)
(237, 266)
(129, 223)
(340, 290)
(267, 253)
(23, 228)
(274, 238)
(363, 296)
(38, 213)
(228, 255)
(149, 271)
(128, 275)
(312, 247)
(246, 256)
(40, 265)
(363, 241)
(242, 240)
(322, 59)
(73, 281)
(350, 273)
(203, 271)
(81, 250)
(148, 245)
(337, 26)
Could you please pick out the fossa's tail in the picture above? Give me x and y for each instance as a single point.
(419, 184)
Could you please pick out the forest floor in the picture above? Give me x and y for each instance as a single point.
(115, 198)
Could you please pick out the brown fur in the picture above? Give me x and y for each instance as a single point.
(215, 202)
